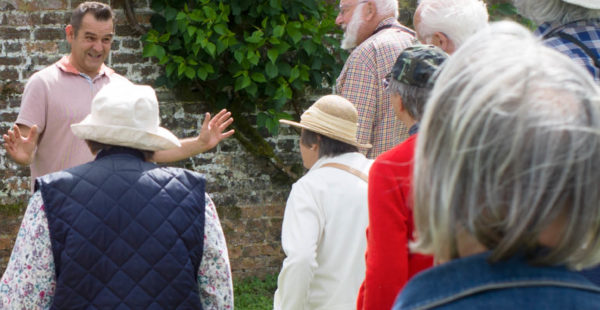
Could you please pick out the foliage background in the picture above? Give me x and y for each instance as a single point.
(257, 58)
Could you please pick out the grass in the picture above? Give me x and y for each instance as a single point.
(14, 209)
(255, 293)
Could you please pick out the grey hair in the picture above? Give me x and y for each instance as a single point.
(509, 145)
(387, 7)
(413, 98)
(457, 19)
(553, 11)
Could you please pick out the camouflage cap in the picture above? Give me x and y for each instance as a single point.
(416, 65)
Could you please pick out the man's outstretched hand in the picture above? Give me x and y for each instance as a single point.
(212, 130)
(20, 143)
(211, 133)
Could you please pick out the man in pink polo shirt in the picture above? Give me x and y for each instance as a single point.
(61, 95)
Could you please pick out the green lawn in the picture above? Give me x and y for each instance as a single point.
(254, 293)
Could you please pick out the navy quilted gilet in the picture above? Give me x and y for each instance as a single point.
(125, 233)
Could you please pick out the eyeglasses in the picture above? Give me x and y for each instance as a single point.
(345, 8)
(386, 80)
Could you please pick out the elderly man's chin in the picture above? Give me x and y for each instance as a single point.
(349, 41)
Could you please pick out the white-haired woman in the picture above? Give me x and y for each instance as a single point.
(506, 179)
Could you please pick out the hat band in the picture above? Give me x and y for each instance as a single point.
(329, 125)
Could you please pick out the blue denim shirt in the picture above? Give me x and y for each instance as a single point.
(473, 283)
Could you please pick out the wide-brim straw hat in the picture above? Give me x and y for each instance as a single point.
(332, 116)
(590, 4)
(126, 114)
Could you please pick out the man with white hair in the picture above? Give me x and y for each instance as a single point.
(372, 30)
(448, 23)
(571, 27)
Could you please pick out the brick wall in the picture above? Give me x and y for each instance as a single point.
(250, 194)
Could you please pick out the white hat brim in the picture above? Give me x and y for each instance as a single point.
(590, 4)
(161, 139)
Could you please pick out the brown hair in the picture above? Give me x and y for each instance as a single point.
(99, 10)
(327, 146)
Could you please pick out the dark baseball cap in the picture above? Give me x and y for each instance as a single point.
(416, 65)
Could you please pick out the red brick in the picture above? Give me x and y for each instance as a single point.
(7, 242)
(49, 34)
(127, 58)
(55, 18)
(39, 5)
(274, 210)
(9, 33)
(9, 74)
(42, 47)
(135, 44)
(13, 47)
(16, 19)
(11, 61)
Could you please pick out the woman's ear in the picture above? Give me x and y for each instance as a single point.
(316, 145)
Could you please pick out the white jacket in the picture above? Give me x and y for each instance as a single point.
(323, 237)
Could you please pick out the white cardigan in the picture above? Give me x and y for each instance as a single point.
(323, 237)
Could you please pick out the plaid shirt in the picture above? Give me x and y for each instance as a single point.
(586, 31)
(361, 82)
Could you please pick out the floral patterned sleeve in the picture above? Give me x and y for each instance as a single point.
(29, 280)
(214, 275)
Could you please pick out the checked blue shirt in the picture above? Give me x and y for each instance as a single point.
(585, 31)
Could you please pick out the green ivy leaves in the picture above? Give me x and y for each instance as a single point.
(267, 51)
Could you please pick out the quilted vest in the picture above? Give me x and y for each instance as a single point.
(125, 233)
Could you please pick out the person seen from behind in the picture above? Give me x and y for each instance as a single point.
(506, 178)
(390, 262)
(323, 230)
(120, 232)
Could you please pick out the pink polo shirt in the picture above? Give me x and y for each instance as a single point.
(54, 98)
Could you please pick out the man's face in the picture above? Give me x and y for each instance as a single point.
(350, 19)
(91, 44)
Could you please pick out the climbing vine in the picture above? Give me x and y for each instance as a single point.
(253, 57)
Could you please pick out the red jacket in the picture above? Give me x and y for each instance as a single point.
(389, 261)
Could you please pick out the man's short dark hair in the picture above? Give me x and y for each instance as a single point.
(327, 147)
(96, 147)
(100, 11)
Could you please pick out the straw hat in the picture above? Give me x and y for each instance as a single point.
(332, 116)
(127, 115)
(590, 4)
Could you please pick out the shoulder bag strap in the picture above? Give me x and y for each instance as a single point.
(399, 27)
(565, 36)
(577, 42)
(356, 172)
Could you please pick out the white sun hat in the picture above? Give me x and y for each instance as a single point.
(126, 114)
(590, 4)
